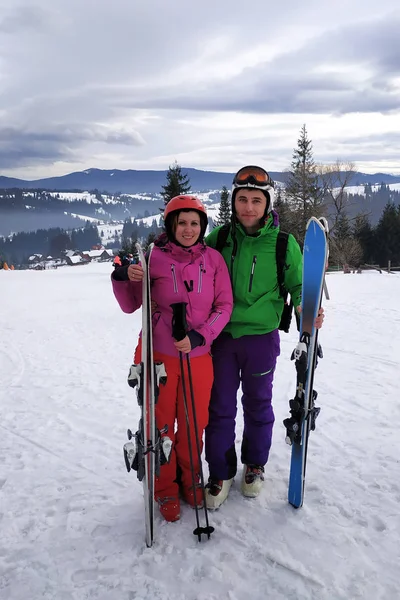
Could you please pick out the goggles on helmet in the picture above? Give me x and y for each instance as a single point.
(253, 177)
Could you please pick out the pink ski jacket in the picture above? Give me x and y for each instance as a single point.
(197, 275)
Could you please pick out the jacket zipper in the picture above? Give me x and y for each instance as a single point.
(174, 279)
(217, 316)
(253, 266)
(200, 278)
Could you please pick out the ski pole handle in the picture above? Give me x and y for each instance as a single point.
(179, 323)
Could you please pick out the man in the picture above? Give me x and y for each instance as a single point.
(247, 350)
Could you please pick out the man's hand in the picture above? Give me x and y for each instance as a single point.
(320, 317)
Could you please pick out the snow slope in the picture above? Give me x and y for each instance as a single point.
(71, 517)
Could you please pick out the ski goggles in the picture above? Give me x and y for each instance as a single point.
(253, 176)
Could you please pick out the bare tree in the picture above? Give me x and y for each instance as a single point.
(345, 251)
(334, 179)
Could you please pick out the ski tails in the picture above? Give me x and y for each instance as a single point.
(302, 407)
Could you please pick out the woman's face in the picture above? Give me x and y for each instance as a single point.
(187, 228)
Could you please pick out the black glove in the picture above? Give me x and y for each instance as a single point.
(120, 274)
(196, 339)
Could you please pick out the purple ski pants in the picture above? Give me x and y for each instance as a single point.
(250, 361)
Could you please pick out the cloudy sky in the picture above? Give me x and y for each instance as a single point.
(213, 84)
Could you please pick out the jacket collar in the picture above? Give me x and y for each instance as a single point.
(271, 222)
(182, 254)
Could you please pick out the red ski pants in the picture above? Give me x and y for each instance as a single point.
(170, 411)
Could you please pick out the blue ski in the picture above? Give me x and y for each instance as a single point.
(302, 407)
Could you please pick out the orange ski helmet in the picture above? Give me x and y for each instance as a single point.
(185, 203)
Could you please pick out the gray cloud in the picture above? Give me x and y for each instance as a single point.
(24, 17)
(314, 79)
(19, 146)
(87, 79)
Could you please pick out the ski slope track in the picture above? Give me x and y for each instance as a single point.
(72, 518)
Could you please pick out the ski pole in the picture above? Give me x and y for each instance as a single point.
(199, 530)
(208, 530)
(179, 332)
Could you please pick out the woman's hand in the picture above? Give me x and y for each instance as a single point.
(135, 273)
(184, 345)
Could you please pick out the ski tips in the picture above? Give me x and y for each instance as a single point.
(321, 222)
(324, 223)
(199, 531)
(316, 222)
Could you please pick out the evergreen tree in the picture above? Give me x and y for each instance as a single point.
(224, 212)
(343, 228)
(150, 239)
(345, 248)
(84, 239)
(177, 183)
(286, 214)
(387, 235)
(59, 243)
(368, 191)
(302, 189)
(128, 246)
(364, 233)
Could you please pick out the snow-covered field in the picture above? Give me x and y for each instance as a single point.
(71, 517)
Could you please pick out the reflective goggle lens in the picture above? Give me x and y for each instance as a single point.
(253, 176)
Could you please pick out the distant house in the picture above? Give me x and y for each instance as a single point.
(35, 258)
(47, 263)
(76, 260)
(71, 253)
(97, 255)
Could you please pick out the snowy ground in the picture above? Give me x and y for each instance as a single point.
(71, 518)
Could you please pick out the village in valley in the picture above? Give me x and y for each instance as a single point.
(71, 258)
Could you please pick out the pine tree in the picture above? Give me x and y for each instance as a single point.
(345, 248)
(286, 214)
(364, 233)
(387, 235)
(224, 212)
(150, 239)
(302, 190)
(128, 247)
(59, 243)
(177, 183)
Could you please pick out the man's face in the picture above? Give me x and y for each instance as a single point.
(250, 207)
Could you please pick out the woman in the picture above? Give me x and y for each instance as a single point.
(182, 269)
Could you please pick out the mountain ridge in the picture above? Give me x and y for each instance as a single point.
(139, 181)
